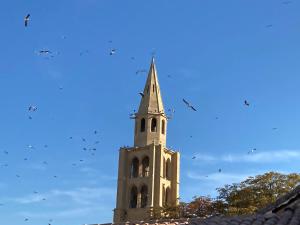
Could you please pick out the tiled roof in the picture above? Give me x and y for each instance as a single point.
(282, 201)
(290, 216)
(285, 211)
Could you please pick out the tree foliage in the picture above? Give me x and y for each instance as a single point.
(200, 206)
(167, 212)
(256, 192)
(241, 198)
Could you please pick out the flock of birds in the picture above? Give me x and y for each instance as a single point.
(92, 147)
(246, 103)
(50, 54)
(88, 147)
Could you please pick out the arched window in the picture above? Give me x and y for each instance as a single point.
(134, 169)
(144, 196)
(145, 167)
(168, 169)
(153, 125)
(163, 124)
(168, 196)
(133, 197)
(143, 124)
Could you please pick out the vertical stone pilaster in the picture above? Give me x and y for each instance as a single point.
(175, 177)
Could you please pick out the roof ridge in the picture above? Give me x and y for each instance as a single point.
(282, 201)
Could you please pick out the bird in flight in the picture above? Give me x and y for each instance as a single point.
(32, 108)
(171, 111)
(246, 103)
(42, 52)
(252, 151)
(112, 51)
(26, 20)
(140, 71)
(142, 94)
(30, 146)
(220, 170)
(194, 157)
(188, 104)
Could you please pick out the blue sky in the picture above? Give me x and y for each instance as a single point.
(214, 54)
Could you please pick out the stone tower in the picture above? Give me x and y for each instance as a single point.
(148, 176)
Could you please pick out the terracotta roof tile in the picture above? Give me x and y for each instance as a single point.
(285, 199)
(290, 216)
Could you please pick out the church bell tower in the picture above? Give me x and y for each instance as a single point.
(148, 175)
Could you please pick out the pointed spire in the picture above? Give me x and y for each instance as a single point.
(151, 102)
(152, 61)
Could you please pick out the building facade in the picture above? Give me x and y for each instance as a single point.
(148, 173)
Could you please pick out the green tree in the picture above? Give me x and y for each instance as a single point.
(256, 192)
(246, 197)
